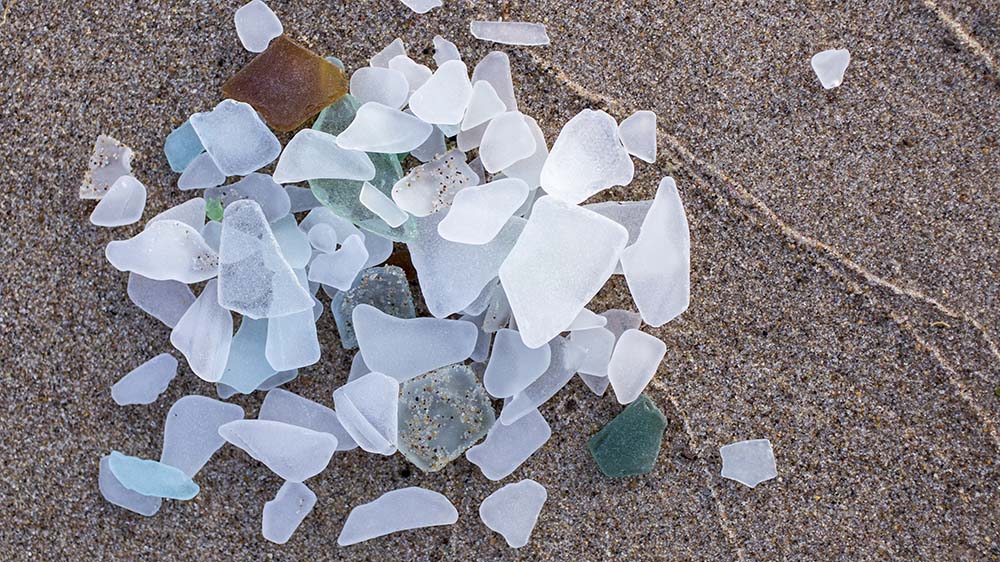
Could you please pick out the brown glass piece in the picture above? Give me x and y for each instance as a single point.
(287, 84)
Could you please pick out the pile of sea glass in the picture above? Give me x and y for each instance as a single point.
(446, 170)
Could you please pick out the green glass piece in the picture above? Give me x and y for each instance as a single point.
(441, 414)
(630, 443)
(213, 209)
(342, 196)
(385, 288)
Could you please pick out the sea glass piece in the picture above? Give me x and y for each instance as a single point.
(286, 511)
(191, 431)
(292, 452)
(566, 359)
(391, 51)
(313, 154)
(478, 213)
(368, 410)
(379, 128)
(563, 257)
(484, 105)
(416, 74)
(287, 84)
(514, 365)
(437, 260)
(323, 238)
(445, 95)
(321, 215)
(114, 492)
(830, 66)
(432, 148)
(301, 198)
(507, 446)
(405, 348)
(151, 478)
(441, 414)
(510, 32)
(256, 26)
(748, 462)
(182, 147)
(109, 161)
(341, 268)
(238, 141)
(381, 85)
(358, 368)
(201, 173)
(204, 335)
(122, 204)
(587, 320)
(190, 212)
(279, 379)
(384, 207)
(629, 214)
(286, 407)
(262, 188)
(529, 170)
(495, 69)
(630, 443)
(638, 135)
(444, 51)
(146, 382)
(214, 213)
(636, 357)
(294, 243)
(292, 341)
(508, 139)
(658, 265)
(167, 301)
(398, 510)
(421, 6)
(620, 321)
(599, 343)
(586, 158)
(384, 288)
(513, 510)
(247, 364)
(432, 186)
(254, 277)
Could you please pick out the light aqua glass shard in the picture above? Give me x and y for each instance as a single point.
(182, 146)
(114, 492)
(151, 478)
(247, 366)
(385, 288)
(343, 196)
(441, 414)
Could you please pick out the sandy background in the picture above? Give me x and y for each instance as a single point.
(845, 262)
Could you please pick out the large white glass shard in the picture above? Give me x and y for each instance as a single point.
(398, 510)
(204, 335)
(444, 97)
(119, 495)
(190, 212)
(122, 204)
(167, 301)
(439, 261)
(748, 462)
(247, 366)
(415, 73)
(484, 105)
(431, 187)
(293, 243)
(513, 365)
(830, 66)
(379, 128)
(599, 343)
(566, 359)
(285, 512)
(444, 51)
(507, 446)
(513, 511)
(313, 154)
(145, 383)
(201, 173)
(292, 341)
(510, 32)
(236, 138)
(191, 431)
(507, 140)
(292, 452)
(636, 357)
(529, 170)
(341, 268)
(262, 188)
(367, 408)
(478, 213)
(638, 135)
(562, 259)
(167, 249)
(256, 26)
(495, 69)
(254, 277)
(586, 158)
(383, 207)
(392, 50)
(381, 85)
(283, 406)
(405, 348)
(658, 265)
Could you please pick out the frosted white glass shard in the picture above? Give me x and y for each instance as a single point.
(167, 249)
(392, 50)
(292, 452)
(204, 335)
(599, 343)
(285, 512)
(478, 213)
(421, 6)
(495, 69)
(145, 383)
(507, 446)
(119, 495)
(529, 170)
(638, 134)
(587, 320)
(566, 359)
(122, 204)
(748, 462)
(636, 357)
(292, 341)
(287, 407)
(830, 66)
(379, 128)
(445, 95)
(415, 73)
(510, 32)
(293, 243)
(256, 26)
(190, 212)
(383, 207)
(368, 410)
(513, 365)
(313, 154)
(431, 187)
(109, 161)
(262, 188)
(484, 105)
(444, 51)
(513, 511)
(191, 431)
(201, 173)
(507, 140)
(381, 85)
(167, 301)
(236, 138)
(398, 510)
(341, 268)
(586, 158)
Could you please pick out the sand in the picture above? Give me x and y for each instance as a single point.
(845, 250)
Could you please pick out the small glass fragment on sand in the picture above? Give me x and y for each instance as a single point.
(830, 66)
(636, 358)
(292, 452)
(507, 446)
(109, 161)
(398, 510)
(191, 431)
(510, 32)
(313, 154)
(146, 382)
(151, 478)
(421, 6)
(748, 462)
(630, 443)
(513, 510)
(638, 134)
(122, 204)
(256, 26)
(286, 511)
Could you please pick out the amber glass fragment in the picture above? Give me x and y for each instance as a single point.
(287, 84)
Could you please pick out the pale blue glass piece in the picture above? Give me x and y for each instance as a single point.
(247, 366)
(182, 146)
(151, 478)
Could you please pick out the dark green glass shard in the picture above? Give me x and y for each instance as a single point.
(342, 196)
(630, 443)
